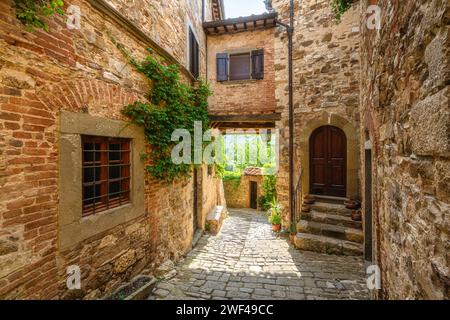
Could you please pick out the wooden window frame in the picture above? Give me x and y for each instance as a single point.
(250, 65)
(101, 161)
(254, 55)
(193, 53)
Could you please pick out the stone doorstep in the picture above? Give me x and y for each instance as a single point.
(331, 208)
(330, 218)
(327, 245)
(215, 219)
(330, 230)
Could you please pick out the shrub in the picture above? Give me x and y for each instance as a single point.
(269, 186)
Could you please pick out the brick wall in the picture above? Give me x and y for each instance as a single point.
(81, 71)
(405, 115)
(242, 97)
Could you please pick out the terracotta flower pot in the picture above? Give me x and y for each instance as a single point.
(292, 238)
(276, 227)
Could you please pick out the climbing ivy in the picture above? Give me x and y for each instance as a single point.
(339, 7)
(32, 13)
(173, 105)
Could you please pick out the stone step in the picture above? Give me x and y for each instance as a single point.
(333, 219)
(332, 200)
(331, 208)
(330, 230)
(321, 244)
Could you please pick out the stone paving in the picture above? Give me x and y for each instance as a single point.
(247, 261)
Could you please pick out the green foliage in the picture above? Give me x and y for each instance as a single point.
(339, 7)
(173, 105)
(233, 177)
(32, 13)
(269, 186)
(275, 212)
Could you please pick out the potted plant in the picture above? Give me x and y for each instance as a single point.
(275, 215)
(292, 233)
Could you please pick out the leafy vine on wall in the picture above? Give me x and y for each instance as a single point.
(339, 7)
(172, 105)
(32, 13)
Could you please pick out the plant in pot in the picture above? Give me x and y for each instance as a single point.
(275, 215)
(292, 232)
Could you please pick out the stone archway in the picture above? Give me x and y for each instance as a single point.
(353, 163)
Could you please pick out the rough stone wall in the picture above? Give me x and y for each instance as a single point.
(247, 96)
(211, 194)
(166, 23)
(326, 79)
(237, 193)
(81, 71)
(405, 114)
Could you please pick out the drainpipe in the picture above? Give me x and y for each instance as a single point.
(291, 116)
(290, 31)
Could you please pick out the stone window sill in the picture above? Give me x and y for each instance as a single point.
(73, 228)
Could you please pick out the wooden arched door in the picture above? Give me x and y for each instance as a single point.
(328, 162)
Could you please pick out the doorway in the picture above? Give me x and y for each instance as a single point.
(253, 195)
(328, 162)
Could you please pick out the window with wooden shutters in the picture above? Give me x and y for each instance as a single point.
(106, 173)
(240, 66)
(194, 54)
(222, 67)
(258, 64)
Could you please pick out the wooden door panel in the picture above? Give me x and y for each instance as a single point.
(328, 150)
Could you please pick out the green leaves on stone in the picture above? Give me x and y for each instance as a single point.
(173, 105)
(32, 13)
(339, 7)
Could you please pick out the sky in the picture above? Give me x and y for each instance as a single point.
(242, 8)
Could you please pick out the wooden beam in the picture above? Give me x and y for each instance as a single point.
(246, 118)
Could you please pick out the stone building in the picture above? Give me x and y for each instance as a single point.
(64, 87)
(405, 145)
(371, 123)
(245, 192)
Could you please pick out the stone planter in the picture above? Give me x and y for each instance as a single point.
(139, 288)
(276, 227)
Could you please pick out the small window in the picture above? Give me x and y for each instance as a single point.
(194, 54)
(106, 173)
(240, 66)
